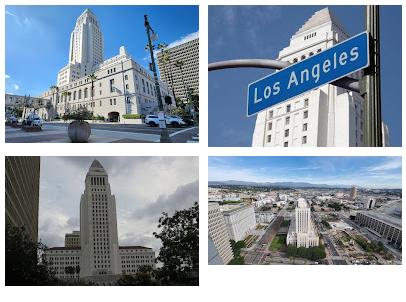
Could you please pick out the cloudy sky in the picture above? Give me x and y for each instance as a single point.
(144, 187)
(365, 171)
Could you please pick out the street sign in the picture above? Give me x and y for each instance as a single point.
(325, 67)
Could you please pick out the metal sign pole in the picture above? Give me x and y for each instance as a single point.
(371, 82)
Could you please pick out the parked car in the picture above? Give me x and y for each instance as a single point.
(33, 120)
(188, 120)
(11, 119)
(172, 120)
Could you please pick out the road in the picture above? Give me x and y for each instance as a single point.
(257, 255)
(56, 132)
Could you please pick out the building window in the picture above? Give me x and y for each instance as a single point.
(269, 137)
(306, 102)
(287, 120)
(126, 77)
(80, 94)
(304, 139)
(114, 102)
(74, 95)
(126, 86)
(112, 85)
(111, 102)
(306, 114)
(143, 85)
(286, 144)
(270, 114)
(269, 126)
(305, 127)
(288, 108)
(85, 93)
(286, 132)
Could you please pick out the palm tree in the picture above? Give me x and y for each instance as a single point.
(54, 89)
(180, 64)
(92, 77)
(66, 94)
(166, 60)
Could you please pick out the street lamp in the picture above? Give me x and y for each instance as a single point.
(161, 115)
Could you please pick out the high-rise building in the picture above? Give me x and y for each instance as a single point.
(110, 88)
(240, 221)
(327, 116)
(98, 257)
(180, 79)
(353, 194)
(72, 239)
(218, 235)
(85, 50)
(302, 232)
(22, 193)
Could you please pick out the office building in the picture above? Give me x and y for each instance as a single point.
(72, 239)
(302, 232)
(219, 236)
(328, 116)
(353, 194)
(187, 77)
(239, 221)
(22, 177)
(108, 88)
(99, 257)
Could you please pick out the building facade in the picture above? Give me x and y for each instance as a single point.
(302, 231)
(327, 116)
(353, 194)
(240, 221)
(388, 229)
(22, 177)
(264, 216)
(98, 257)
(218, 234)
(179, 80)
(110, 88)
(72, 239)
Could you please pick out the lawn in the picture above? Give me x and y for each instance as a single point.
(278, 243)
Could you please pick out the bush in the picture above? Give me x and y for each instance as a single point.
(132, 116)
(98, 118)
(312, 253)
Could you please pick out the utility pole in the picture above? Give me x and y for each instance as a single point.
(371, 81)
(161, 115)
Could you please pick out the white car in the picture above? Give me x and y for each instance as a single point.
(173, 120)
(34, 120)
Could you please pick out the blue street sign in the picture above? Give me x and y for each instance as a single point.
(327, 66)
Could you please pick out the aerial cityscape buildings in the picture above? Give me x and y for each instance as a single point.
(22, 176)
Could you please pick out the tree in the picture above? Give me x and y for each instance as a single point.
(55, 89)
(143, 277)
(22, 261)
(92, 78)
(179, 253)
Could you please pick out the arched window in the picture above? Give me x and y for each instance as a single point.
(85, 93)
(80, 94)
(143, 85)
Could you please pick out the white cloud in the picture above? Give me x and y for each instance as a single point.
(10, 14)
(187, 38)
(16, 87)
(390, 164)
(7, 76)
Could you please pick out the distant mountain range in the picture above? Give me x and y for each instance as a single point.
(275, 184)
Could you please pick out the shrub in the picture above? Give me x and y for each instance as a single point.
(132, 116)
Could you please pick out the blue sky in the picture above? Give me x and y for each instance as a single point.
(260, 32)
(37, 37)
(364, 171)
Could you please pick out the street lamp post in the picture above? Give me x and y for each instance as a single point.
(162, 124)
(371, 82)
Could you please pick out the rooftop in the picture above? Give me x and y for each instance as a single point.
(319, 18)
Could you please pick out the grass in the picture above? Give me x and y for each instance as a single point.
(278, 243)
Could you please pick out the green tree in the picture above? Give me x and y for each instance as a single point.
(145, 276)
(179, 253)
(22, 260)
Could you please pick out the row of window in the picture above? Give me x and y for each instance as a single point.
(289, 108)
(310, 36)
(286, 144)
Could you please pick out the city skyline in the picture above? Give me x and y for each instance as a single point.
(366, 171)
(241, 32)
(26, 25)
(138, 206)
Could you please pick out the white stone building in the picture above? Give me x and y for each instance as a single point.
(99, 256)
(218, 234)
(240, 221)
(302, 231)
(264, 217)
(120, 85)
(327, 116)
